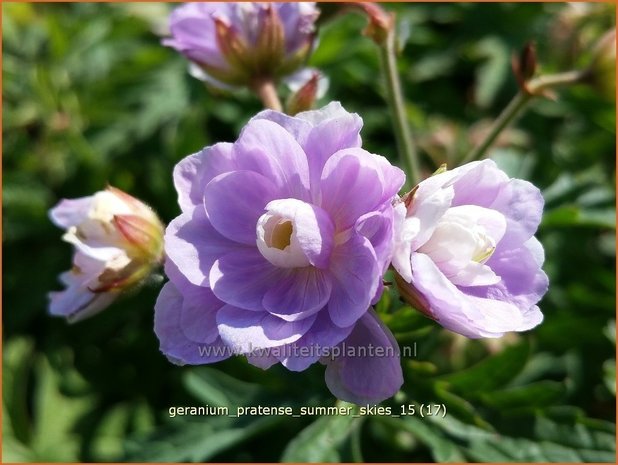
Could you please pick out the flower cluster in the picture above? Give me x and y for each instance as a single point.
(285, 235)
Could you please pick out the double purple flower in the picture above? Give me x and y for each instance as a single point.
(281, 245)
(466, 254)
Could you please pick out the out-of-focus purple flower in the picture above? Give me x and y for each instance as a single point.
(118, 241)
(466, 254)
(237, 43)
(280, 250)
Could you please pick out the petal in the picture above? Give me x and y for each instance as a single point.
(193, 32)
(356, 278)
(302, 293)
(297, 127)
(246, 331)
(523, 282)
(201, 75)
(198, 314)
(193, 173)
(242, 278)
(373, 376)
(333, 110)
(355, 182)
(377, 227)
(493, 222)
(313, 231)
(499, 317)
(530, 318)
(199, 307)
(447, 304)
(315, 343)
(268, 149)
(298, 22)
(300, 78)
(522, 203)
(94, 248)
(235, 201)
(193, 244)
(335, 133)
(70, 212)
(475, 274)
(262, 359)
(478, 183)
(77, 303)
(174, 342)
(428, 206)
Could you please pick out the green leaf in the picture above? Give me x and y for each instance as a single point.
(550, 438)
(322, 440)
(195, 441)
(532, 395)
(442, 449)
(491, 373)
(213, 387)
(491, 74)
(55, 417)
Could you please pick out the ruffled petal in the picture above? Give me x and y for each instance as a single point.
(268, 149)
(246, 331)
(355, 182)
(342, 130)
(372, 373)
(175, 342)
(71, 212)
(235, 201)
(243, 278)
(315, 344)
(302, 293)
(356, 277)
(193, 244)
(193, 173)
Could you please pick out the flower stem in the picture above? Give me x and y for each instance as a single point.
(265, 89)
(534, 88)
(397, 107)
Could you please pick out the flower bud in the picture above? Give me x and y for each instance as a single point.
(524, 65)
(118, 242)
(381, 23)
(237, 43)
(307, 86)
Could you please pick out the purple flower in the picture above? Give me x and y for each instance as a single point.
(118, 241)
(280, 249)
(466, 254)
(235, 43)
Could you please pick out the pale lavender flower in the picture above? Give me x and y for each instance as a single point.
(118, 241)
(466, 254)
(235, 43)
(282, 243)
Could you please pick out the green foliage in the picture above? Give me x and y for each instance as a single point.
(91, 97)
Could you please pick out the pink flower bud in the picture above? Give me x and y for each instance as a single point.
(118, 242)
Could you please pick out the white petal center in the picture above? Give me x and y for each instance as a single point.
(277, 239)
(462, 242)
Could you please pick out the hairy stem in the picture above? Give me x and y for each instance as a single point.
(265, 89)
(534, 88)
(397, 107)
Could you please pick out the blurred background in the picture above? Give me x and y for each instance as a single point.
(90, 97)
